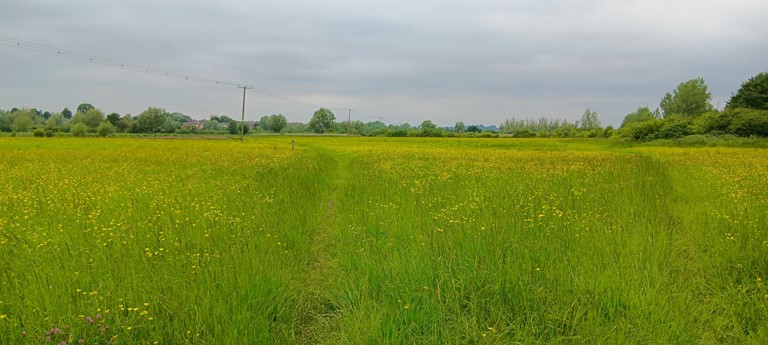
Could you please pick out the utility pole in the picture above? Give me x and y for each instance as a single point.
(349, 121)
(242, 118)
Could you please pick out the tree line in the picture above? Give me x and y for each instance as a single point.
(89, 120)
(686, 110)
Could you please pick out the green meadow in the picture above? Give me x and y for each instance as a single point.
(381, 241)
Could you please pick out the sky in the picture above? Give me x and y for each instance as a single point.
(476, 61)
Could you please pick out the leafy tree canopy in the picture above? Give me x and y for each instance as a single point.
(589, 120)
(322, 120)
(690, 98)
(753, 94)
(83, 108)
(641, 115)
(428, 125)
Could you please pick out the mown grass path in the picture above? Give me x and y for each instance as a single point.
(314, 302)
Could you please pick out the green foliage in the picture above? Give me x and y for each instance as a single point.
(427, 125)
(753, 94)
(83, 108)
(234, 127)
(23, 121)
(93, 117)
(56, 121)
(355, 127)
(66, 113)
(79, 130)
(277, 123)
(523, 133)
(179, 117)
(542, 127)
(152, 120)
(106, 129)
(114, 119)
(211, 125)
(646, 130)
(746, 122)
(322, 120)
(39, 132)
(264, 123)
(459, 127)
(690, 99)
(125, 124)
(589, 120)
(673, 127)
(641, 115)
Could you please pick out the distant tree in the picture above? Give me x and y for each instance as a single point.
(277, 123)
(689, 99)
(46, 115)
(459, 127)
(125, 124)
(642, 114)
(93, 117)
(234, 127)
(22, 121)
(354, 127)
(179, 117)
(84, 107)
(66, 113)
(55, 121)
(376, 126)
(152, 120)
(753, 94)
(79, 130)
(211, 125)
(428, 125)
(473, 129)
(6, 121)
(264, 123)
(322, 120)
(113, 118)
(589, 120)
(105, 129)
(225, 119)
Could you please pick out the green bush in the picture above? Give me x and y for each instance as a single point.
(79, 130)
(39, 132)
(105, 129)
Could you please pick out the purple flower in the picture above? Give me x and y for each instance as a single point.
(89, 319)
(98, 316)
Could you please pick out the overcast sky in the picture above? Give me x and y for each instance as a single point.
(477, 61)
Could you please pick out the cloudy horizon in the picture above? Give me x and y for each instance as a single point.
(479, 62)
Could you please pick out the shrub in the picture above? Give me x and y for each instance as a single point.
(39, 132)
(105, 129)
(79, 130)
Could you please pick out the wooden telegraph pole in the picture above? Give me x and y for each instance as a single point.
(242, 118)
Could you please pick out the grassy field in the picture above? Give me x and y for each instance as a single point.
(374, 241)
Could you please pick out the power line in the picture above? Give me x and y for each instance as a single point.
(73, 55)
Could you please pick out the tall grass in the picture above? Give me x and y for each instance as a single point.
(355, 240)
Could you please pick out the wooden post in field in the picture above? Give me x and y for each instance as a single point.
(349, 121)
(242, 118)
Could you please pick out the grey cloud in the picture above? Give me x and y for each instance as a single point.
(443, 60)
